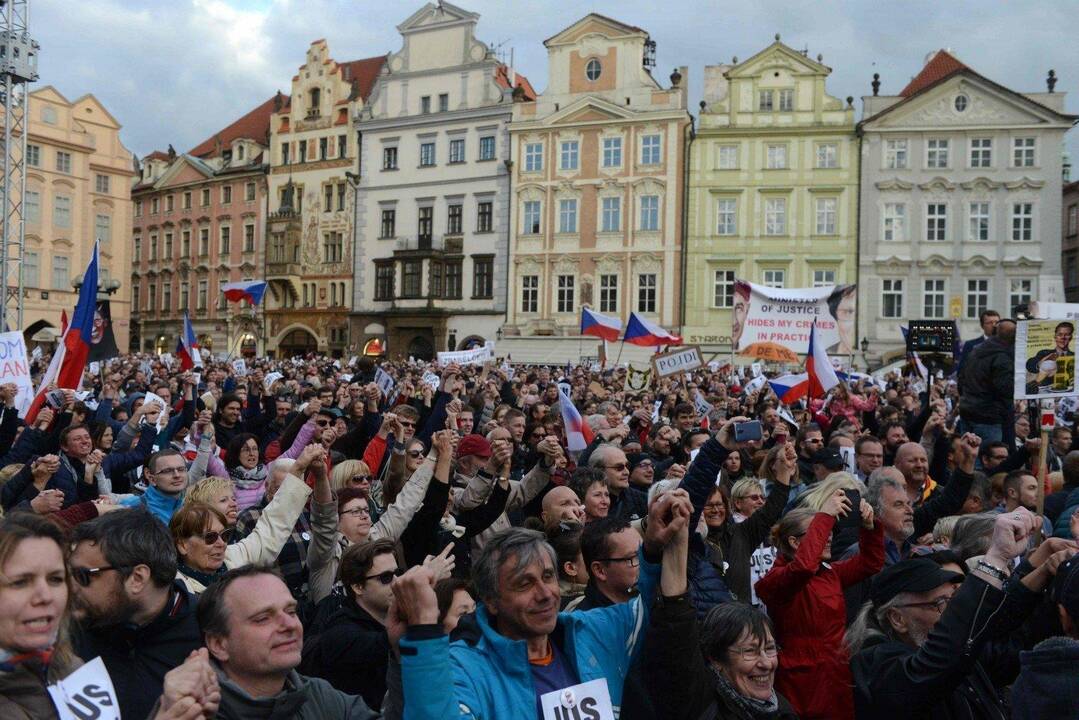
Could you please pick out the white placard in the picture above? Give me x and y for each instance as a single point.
(15, 368)
(655, 410)
(35, 354)
(755, 384)
(702, 406)
(239, 367)
(160, 401)
(167, 359)
(784, 412)
(476, 356)
(673, 363)
(1045, 359)
(847, 454)
(95, 368)
(86, 693)
(429, 378)
(270, 379)
(384, 381)
(587, 701)
(774, 323)
(757, 368)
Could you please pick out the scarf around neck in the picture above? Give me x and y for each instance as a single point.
(204, 578)
(751, 706)
(248, 479)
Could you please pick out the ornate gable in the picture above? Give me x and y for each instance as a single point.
(982, 104)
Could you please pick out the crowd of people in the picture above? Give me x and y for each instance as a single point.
(309, 538)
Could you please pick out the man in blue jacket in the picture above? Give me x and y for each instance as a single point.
(525, 648)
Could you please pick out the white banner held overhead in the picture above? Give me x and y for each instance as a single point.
(15, 368)
(476, 356)
(773, 323)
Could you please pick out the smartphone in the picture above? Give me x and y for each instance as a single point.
(853, 519)
(55, 398)
(746, 431)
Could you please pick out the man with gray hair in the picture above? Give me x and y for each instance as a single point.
(627, 502)
(524, 653)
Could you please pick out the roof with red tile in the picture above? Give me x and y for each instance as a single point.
(254, 125)
(502, 78)
(157, 155)
(943, 64)
(363, 74)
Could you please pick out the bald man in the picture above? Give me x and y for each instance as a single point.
(560, 503)
(912, 461)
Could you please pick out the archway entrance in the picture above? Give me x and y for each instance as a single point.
(297, 342)
(421, 348)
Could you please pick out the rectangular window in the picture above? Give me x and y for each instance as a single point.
(1019, 292)
(169, 203)
(567, 216)
(483, 277)
(136, 253)
(531, 215)
(388, 227)
(650, 212)
(426, 225)
(443, 102)
(31, 269)
(101, 183)
(453, 280)
(608, 293)
(384, 281)
(185, 243)
(327, 200)
(726, 216)
(389, 158)
(533, 157)
(612, 214)
(530, 293)
(936, 153)
(138, 208)
(204, 241)
(1023, 152)
(978, 229)
(342, 147)
(333, 245)
(425, 104)
(775, 278)
(434, 284)
(185, 201)
(723, 289)
(650, 150)
(151, 305)
(303, 151)
(33, 155)
(981, 152)
(485, 216)
(565, 300)
(891, 298)
(775, 216)
(612, 152)
(341, 196)
(411, 278)
(568, 160)
(153, 246)
(1022, 222)
(61, 211)
(60, 272)
(166, 298)
(487, 147)
(457, 150)
(646, 293)
(786, 100)
(895, 222)
(63, 162)
(777, 157)
(185, 294)
(895, 154)
(249, 238)
(936, 222)
(827, 155)
(455, 215)
(933, 299)
(323, 148)
(728, 157)
(284, 153)
(206, 197)
(204, 291)
(32, 207)
(103, 228)
(1073, 220)
(427, 154)
(826, 212)
(765, 101)
(823, 278)
(977, 298)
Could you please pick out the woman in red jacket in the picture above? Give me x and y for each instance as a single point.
(804, 596)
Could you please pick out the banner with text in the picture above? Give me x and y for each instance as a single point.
(678, 361)
(14, 368)
(773, 323)
(1044, 359)
(467, 357)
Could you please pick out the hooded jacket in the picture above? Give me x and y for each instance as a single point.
(986, 383)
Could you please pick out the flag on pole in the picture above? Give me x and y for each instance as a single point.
(578, 434)
(187, 348)
(601, 326)
(790, 388)
(250, 290)
(647, 334)
(822, 377)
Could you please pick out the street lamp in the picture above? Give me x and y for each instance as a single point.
(107, 288)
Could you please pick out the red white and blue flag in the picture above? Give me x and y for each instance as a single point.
(250, 290)
(578, 434)
(790, 388)
(822, 377)
(642, 332)
(601, 326)
(187, 349)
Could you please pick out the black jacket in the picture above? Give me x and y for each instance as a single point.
(1046, 688)
(352, 653)
(137, 658)
(631, 503)
(986, 383)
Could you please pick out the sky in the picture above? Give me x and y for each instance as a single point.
(177, 71)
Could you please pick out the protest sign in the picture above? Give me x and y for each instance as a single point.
(702, 406)
(1044, 359)
(429, 378)
(637, 380)
(86, 693)
(673, 363)
(160, 402)
(270, 379)
(774, 323)
(587, 701)
(1049, 310)
(15, 368)
(35, 354)
(384, 381)
(757, 369)
(476, 356)
(239, 367)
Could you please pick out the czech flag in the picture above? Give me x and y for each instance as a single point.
(790, 388)
(601, 326)
(578, 434)
(822, 377)
(642, 332)
(250, 290)
(187, 349)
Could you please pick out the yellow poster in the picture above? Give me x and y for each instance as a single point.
(1045, 359)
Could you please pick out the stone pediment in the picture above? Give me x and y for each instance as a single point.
(981, 183)
(937, 183)
(893, 262)
(592, 24)
(977, 261)
(986, 106)
(777, 56)
(895, 184)
(934, 260)
(1025, 183)
(589, 109)
(433, 14)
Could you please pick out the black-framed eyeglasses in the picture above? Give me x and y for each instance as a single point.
(617, 466)
(630, 560)
(385, 577)
(770, 651)
(357, 512)
(939, 604)
(85, 575)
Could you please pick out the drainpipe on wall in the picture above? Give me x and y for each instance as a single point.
(689, 135)
(509, 231)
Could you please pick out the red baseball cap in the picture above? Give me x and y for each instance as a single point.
(474, 445)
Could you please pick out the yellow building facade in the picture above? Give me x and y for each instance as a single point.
(773, 187)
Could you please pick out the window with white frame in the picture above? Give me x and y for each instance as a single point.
(32, 207)
(649, 212)
(728, 157)
(61, 211)
(786, 100)
(1020, 291)
(427, 154)
(31, 269)
(936, 222)
(63, 161)
(775, 216)
(101, 183)
(936, 153)
(612, 152)
(61, 265)
(895, 154)
(774, 278)
(826, 212)
(646, 292)
(933, 298)
(487, 147)
(608, 293)
(457, 150)
(1073, 219)
(723, 289)
(777, 157)
(979, 221)
(103, 228)
(895, 222)
(823, 278)
(827, 155)
(567, 216)
(1023, 152)
(891, 298)
(1022, 222)
(389, 158)
(33, 155)
(766, 101)
(977, 297)
(612, 214)
(529, 293)
(531, 216)
(564, 297)
(650, 150)
(569, 155)
(727, 216)
(981, 152)
(533, 157)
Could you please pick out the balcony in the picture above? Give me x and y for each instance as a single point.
(428, 246)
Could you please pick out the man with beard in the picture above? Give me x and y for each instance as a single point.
(130, 609)
(912, 460)
(1021, 491)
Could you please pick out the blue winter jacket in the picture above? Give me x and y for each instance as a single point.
(491, 677)
(160, 505)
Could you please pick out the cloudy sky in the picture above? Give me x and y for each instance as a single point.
(176, 71)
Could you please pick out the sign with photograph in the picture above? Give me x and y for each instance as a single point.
(773, 323)
(1045, 359)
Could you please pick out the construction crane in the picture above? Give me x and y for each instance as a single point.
(18, 68)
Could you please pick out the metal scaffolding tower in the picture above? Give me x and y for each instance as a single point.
(18, 68)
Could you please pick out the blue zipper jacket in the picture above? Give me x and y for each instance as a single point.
(160, 505)
(491, 677)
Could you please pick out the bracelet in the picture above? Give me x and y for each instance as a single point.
(992, 570)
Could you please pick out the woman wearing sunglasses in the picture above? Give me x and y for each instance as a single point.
(34, 650)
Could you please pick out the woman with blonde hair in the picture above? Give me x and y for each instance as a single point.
(351, 473)
(215, 491)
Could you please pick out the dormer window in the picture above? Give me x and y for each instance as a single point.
(313, 106)
(240, 152)
(593, 70)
